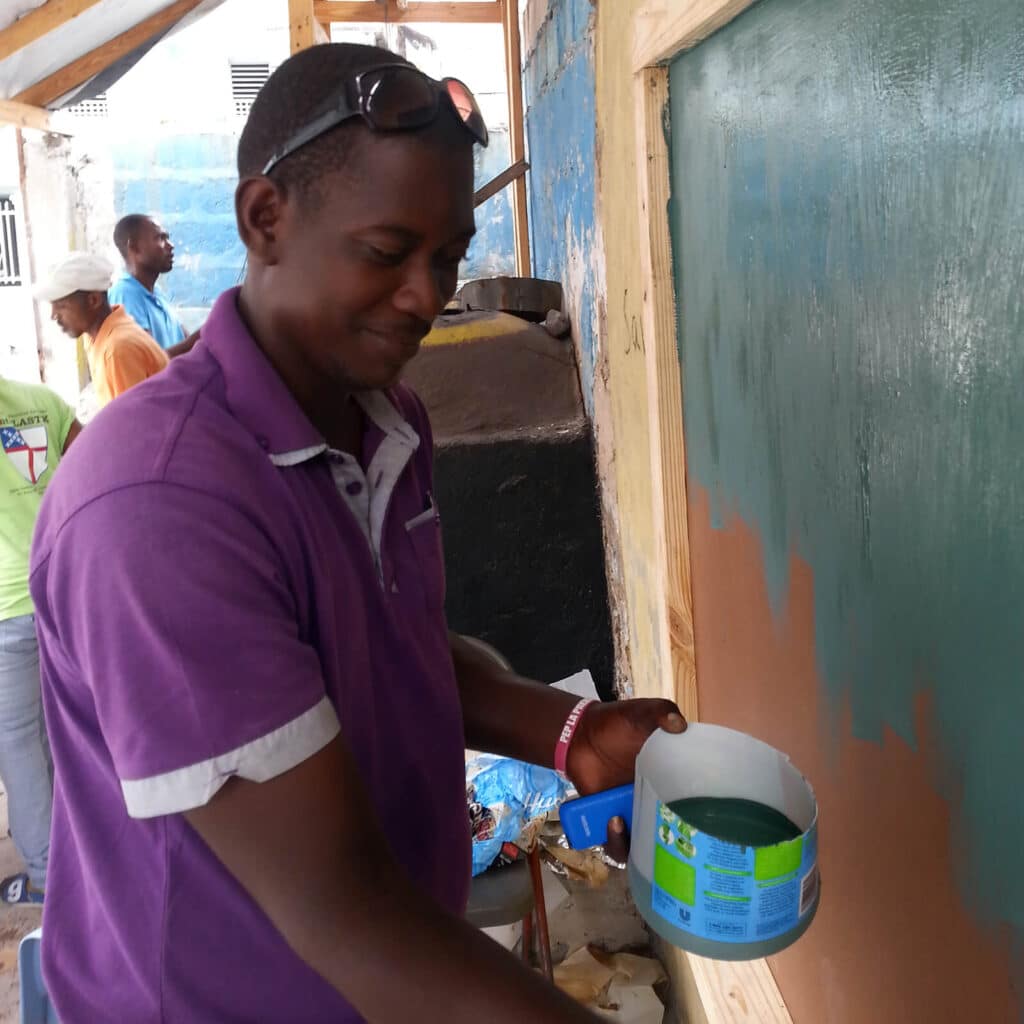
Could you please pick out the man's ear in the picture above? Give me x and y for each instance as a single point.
(261, 208)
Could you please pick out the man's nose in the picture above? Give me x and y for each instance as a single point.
(421, 293)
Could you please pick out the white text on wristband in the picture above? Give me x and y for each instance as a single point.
(566, 735)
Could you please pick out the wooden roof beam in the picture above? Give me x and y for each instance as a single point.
(22, 115)
(37, 23)
(477, 12)
(80, 71)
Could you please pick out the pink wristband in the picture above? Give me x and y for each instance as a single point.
(567, 733)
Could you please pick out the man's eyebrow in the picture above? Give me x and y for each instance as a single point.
(393, 229)
(412, 237)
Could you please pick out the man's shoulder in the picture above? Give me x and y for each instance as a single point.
(126, 330)
(173, 430)
(20, 398)
(125, 284)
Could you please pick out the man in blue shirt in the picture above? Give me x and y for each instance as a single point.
(147, 252)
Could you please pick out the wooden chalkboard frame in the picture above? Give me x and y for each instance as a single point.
(709, 991)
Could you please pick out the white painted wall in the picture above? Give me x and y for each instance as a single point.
(57, 224)
(19, 357)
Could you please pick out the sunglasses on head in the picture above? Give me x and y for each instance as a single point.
(391, 98)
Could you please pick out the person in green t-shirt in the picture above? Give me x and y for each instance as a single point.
(36, 427)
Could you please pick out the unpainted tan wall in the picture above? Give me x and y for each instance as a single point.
(620, 385)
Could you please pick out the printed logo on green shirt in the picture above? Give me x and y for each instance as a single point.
(26, 446)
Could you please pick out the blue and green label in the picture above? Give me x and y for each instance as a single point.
(726, 891)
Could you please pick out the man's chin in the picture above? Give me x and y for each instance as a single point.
(379, 379)
(384, 380)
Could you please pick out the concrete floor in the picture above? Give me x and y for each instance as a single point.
(15, 922)
(606, 918)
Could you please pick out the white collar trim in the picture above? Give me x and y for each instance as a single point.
(388, 462)
(380, 410)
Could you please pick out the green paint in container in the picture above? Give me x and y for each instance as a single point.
(724, 856)
(743, 822)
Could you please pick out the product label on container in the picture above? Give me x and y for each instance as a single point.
(729, 893)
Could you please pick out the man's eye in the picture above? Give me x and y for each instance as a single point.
(390, 257)
(451, 261)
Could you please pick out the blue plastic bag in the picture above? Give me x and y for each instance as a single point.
(504, 796)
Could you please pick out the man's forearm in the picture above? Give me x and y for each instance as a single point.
(308, 848)
(418, 963)
(505, 713)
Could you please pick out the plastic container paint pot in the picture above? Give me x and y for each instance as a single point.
(724, 854)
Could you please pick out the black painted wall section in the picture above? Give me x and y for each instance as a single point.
(525, 553)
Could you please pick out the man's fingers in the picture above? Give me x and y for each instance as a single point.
(617, 845)
(673, 722)
(659, 713)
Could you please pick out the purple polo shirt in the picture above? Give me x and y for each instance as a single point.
(217, 593)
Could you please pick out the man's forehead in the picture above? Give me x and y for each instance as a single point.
(389, 175)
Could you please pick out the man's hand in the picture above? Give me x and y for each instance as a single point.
(603, 751)
(183, 346)
(521, 718)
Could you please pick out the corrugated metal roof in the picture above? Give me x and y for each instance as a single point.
(99, 23)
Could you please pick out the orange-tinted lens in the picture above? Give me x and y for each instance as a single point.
(467, 108)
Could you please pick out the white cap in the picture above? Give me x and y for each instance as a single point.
(77, 272)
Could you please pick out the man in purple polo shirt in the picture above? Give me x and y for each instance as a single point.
(257, 713)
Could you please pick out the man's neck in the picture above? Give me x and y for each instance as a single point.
(97, 325)
(145, 277)
(332, 410)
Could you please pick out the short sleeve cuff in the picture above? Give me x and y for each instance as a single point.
(258, 760)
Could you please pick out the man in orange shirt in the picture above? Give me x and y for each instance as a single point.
(120, 352)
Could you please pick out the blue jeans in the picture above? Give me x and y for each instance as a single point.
(25, 764)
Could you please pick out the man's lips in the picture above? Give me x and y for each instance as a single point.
(401, 337)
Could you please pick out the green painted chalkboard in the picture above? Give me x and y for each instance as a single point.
(848, 235)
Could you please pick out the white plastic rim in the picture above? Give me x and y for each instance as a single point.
(713, 761)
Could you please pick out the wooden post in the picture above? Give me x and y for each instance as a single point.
(708, 991)
(302, 25)
(516, 133)
(664, 397)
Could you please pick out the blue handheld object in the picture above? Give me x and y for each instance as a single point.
(585, 819)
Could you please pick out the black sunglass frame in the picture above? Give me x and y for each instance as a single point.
(343, 110)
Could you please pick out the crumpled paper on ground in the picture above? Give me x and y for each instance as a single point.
(619, 986)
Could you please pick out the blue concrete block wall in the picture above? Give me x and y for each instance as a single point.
(492, 253)
(561, 133)
(188, 182)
